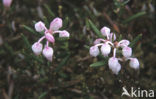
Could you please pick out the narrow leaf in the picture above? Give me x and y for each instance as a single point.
(49, 10)
(43, 95)
(87, 47)
(26, 42)
(97, 64)
(29, 29)
(134, 16)
(98, 33)
(135, 40)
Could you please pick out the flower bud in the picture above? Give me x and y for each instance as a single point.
(105, 31)
(94, 51)
(50, 37)
(48, 53)
(112, 62)
(39, 26)
(134, 63)
(116, 69)
(127, 52)
(114, 65)
(37, 48)
(7, 3)
(123, 43)
(64, 33)
(105, 49)
(56, 24)
(112, 37)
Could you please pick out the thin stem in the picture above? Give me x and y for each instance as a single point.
(47, 43)
(56, 32)
(107, 37)
(45, 29)
(114, 52)
(43, 37)
(108, 42)
(100, 44)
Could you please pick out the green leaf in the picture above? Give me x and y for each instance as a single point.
(26, 42)
(43, 95)
(66, 22)
(87, 47)
(29, 29)
(134, 16)
(98, 33)
(98, 64)
(135, 40)
(125, 2)
(49, 10)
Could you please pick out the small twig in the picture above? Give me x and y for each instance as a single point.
(116, 28)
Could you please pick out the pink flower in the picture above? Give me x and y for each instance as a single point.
(37, 48)
(105, 49)
(48, 53)
(123, 43)
(7, 3)
(110, 43)
(114, 65)
(127, 52)
(50, 37)
(94, 51)
(56, 24)
(105, 31)
(134, 63)
(63, 33)
(39, 26)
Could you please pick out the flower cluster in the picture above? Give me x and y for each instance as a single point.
(55, 25)
(107, 44)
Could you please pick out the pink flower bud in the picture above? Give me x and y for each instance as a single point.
(123, 43)
(39, 26)
(112, 62)
(64, 33)
(112, 37)
(48, 53)
(114, 65)
(105, 49)
(50, 37)
(105, 31)
(127, 52)
(134, 63)
(116, 69)
(94, 51)
(56, 24)
(37, 48)
(7, 3)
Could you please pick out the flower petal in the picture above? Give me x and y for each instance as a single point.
(105, 31)
(56, 24)
(94, 51)
(50, 37)
(39, 26)
(48, 53)
(37, 48)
